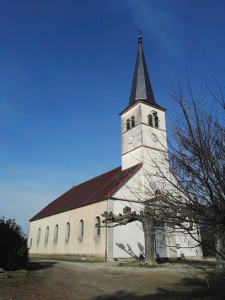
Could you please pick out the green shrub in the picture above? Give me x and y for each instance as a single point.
(13, 245)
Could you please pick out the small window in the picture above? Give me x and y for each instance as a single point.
(97, 226)
(30, 243)
(81, 228)
(46, 235)
(150, 123)
(56, 231)
(132, 121)
(38, 236)
(128, 124)
(67, 233)
(156, 121)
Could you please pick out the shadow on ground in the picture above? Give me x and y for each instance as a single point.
(212, 287)
(198, 264)
(40, 265)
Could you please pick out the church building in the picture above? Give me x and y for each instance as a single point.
(71, 225)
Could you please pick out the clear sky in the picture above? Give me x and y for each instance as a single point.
(66, 70)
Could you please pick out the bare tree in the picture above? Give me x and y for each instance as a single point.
(197, 155)
(194, 194)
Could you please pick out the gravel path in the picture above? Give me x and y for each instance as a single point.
(98, 281)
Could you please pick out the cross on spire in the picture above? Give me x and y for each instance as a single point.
(139, 30)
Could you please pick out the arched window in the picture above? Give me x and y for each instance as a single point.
(56, 231)
(97, 226)
(38, 236)
(128, 124)
(156, 120)
(81, 228)
(30, 243)
(132, 121)
(67, 233)
(46, 235)
(150, 123)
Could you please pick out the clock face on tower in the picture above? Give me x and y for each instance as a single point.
(154, 137)
(130, 139)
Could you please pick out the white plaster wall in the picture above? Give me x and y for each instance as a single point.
(90, 244)
(160, 242)
(187, 246)
(128, 239)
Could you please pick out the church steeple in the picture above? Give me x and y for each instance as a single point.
(141, 85)
(143, 126)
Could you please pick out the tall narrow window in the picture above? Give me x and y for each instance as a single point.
(38, 236)
(150, 123)
(46, 235)
(132, 121)
(97, 226)
(30, 243)
(81, 228)
(67, 233)
(56, 231)
(128, 124)
(156, 120)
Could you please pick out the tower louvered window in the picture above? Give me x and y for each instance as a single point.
(156, 121)
(150, 123)
(128, 124)
(132, 121)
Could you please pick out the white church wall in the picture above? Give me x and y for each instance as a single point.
(128, 240)
(132, 159)
(186, 245)
(160, 242)
(89, 244)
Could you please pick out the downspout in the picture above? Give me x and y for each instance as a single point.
(106, 232)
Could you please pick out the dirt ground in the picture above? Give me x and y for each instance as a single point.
(97, 281)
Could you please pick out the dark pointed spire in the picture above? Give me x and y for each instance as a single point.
(141, 86)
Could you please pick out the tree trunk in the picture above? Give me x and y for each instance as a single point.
(220, 247)
(149, 232)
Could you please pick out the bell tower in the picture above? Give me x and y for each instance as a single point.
(143, 127)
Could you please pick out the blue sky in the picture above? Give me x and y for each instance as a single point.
(66, 69)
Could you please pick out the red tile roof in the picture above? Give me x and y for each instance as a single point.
(94, 190)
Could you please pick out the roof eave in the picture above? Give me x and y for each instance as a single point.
(144, 102)
(67, 209)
